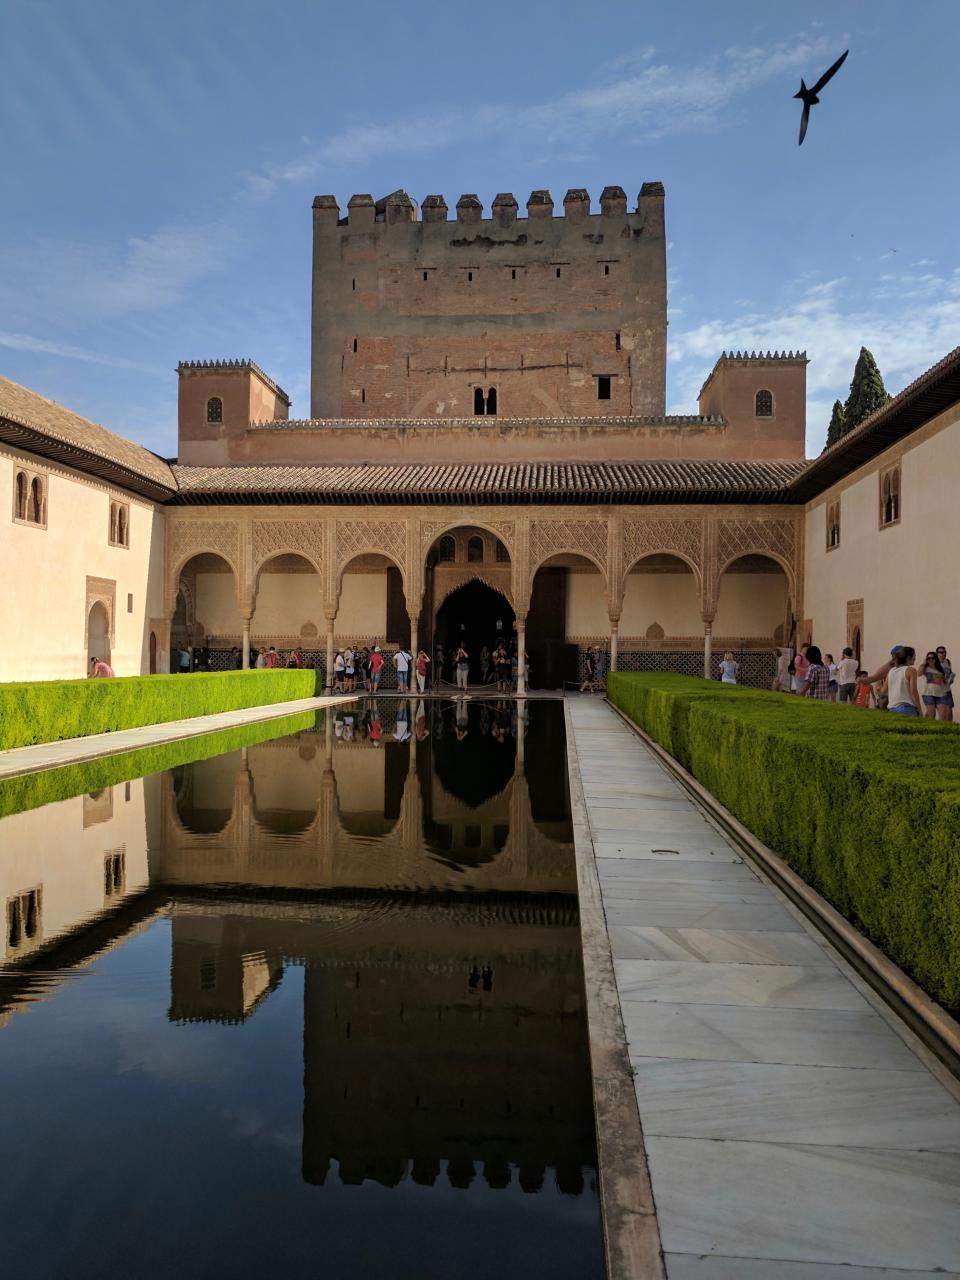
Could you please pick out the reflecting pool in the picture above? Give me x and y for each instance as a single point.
(302, 1005)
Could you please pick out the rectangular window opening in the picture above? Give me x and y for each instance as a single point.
(606, 268)
(363, 395)
(354, 344)
(513, 273)
(129, 602)
(603, 387)
(353, 284)
(558, 273)
(469, 275)
(616, 341)
(424, 275)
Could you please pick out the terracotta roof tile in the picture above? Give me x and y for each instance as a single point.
(718, 481)
(51, 421)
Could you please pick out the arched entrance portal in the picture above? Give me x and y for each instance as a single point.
(98, 634)
(474, 615)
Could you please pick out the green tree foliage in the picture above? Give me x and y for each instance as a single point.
(873, 824)
(836, 427)
(867, 392)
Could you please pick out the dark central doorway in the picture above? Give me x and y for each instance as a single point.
(474, 615)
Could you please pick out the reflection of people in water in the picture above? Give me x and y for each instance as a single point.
(420, 724)
(487, 978)
(463, 719)
(402, 731)
(376, 728)
(338, 725)
(348, 728)
(474, 980)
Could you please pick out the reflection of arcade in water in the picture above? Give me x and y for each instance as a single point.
(453, 796)
(443, 1036)
(438, 1040)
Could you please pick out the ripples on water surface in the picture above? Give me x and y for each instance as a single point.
(310, 1006)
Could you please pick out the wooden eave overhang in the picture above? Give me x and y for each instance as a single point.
(32, 440)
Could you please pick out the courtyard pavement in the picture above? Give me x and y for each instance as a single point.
(794, 1128)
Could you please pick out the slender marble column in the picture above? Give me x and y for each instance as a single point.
(414, 619)
(246, 644)
(707, 648)
(521, 657)
(614, 642)
(328, 674)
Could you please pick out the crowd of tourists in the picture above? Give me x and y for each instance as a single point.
(902, 684)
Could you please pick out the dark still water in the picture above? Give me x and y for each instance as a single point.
(312, 1006)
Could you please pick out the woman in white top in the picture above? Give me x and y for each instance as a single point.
(902, 684)
(728, 669)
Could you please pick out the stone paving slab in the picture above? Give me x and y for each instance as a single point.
(794, 1129)
(53, 755)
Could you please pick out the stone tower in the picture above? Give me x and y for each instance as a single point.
(424, 316)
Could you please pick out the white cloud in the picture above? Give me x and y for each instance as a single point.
(25, 342)
(48, 277)
(908, 324)
(654, 100)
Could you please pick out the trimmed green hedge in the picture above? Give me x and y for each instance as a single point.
(49, 710)
(864, 806)
(31, 790)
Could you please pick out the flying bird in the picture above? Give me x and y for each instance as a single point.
(809, 96)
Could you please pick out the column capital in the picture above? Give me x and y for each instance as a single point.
(614, 619)
(330, 614)
(708, 619)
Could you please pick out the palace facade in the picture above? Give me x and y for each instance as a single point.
(488, 456)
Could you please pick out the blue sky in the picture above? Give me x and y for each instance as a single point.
(160, 162)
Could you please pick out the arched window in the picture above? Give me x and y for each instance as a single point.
(475, 550)
(122, 526)
(21, 496)
(113, 522)
(35, 508)
(503, 555)
(214, 409)
(479, 404)
(764, 404)
(492, 402)
(446, 549)
(890, 496)
(833, 525)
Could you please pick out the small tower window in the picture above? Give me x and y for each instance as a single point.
(890, 497)
(475, 550)
(492, 401)
(604, 384)
(354, 344)
(469, 275)
(833, 525)
(513, 273)
(558, 273)
(606, 268)
(425, 275)
(214, 409)
(764, 404)
(21, 496)
(363, 395)
(616, 341)
(353, 284)
(446, 549)
(35, 506)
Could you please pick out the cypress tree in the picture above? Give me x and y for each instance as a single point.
(837, 424)
(867, 392)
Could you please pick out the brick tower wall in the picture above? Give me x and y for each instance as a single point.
(412, 314)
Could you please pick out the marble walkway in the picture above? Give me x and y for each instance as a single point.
(53, 755)
(793, 1128)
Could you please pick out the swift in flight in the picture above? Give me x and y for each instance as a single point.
(809, 96)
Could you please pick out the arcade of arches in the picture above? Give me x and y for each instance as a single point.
(679, 583)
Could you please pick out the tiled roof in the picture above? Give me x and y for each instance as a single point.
(42, 426)
(634, 482)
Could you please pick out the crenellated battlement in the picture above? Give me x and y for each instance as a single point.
(364, 212)
(762, 355)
